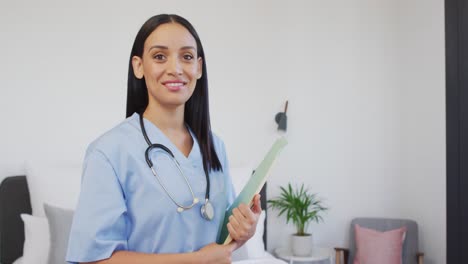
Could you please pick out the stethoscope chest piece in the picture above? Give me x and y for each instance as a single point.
(207, 210)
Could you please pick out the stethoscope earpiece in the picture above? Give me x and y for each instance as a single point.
(207, 210)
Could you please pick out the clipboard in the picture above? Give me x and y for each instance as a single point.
(253, 186)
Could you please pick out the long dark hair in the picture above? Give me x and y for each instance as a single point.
(196, 114)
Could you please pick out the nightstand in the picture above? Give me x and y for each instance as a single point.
(318, 255)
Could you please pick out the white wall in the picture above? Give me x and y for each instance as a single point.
(422, 105)
(365, 81)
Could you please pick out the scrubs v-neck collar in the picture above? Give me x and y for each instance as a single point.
(156, 136)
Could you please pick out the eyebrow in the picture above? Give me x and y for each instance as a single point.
(166, 48)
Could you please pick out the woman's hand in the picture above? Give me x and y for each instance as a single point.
(243, 221)
(214, 253)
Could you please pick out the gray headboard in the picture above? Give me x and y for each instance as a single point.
(14, 200)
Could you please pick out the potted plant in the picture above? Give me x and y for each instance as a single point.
(300, 207)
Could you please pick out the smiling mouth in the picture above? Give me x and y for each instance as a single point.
(174, 86)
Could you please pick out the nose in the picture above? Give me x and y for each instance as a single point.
(174, 67)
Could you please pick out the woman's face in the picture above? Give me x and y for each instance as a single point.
(170, 65)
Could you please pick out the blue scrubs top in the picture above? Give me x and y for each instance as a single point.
(122, 205)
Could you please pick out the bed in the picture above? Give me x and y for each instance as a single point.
(15, 200)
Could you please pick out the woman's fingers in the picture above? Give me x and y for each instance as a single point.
(244, 214)
(233, 232)
(243, 221)
(217, 254)
(257, 206)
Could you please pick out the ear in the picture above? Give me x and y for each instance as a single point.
(200, 67)
(137, 64)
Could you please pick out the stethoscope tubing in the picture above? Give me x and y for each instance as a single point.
(163, 148)
(184, 207)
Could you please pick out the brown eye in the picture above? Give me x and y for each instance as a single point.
(188, 57)
(159, 57)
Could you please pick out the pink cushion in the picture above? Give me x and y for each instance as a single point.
(379, 247)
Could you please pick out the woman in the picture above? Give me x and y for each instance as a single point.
(147, 203)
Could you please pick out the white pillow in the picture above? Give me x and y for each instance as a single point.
(254, 247)
(56, 183)
(36, 239)
(60, 222)
(240, 254)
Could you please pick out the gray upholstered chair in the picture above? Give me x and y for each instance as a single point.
(410, 246)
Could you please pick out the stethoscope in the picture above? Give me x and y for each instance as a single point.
(207, 210)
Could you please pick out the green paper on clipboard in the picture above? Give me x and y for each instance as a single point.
(253, 186)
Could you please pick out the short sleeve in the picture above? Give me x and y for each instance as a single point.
(100, 222)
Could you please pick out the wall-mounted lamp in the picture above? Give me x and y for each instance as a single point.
(281, 118)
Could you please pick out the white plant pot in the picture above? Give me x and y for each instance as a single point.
(301, 246)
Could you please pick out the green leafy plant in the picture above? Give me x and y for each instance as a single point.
(300, 207)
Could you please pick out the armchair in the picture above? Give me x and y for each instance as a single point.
(410, 245)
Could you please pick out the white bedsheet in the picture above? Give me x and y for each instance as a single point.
(266, 260)
(269, 259)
